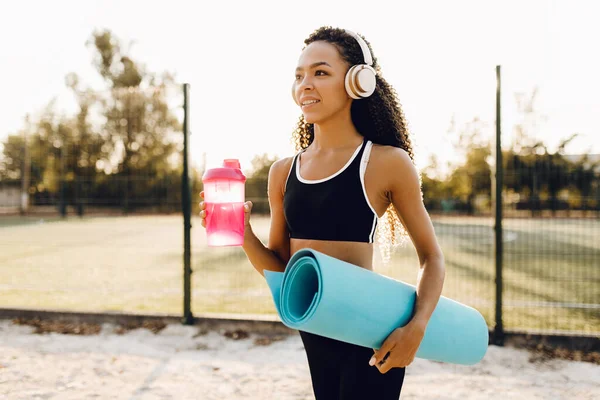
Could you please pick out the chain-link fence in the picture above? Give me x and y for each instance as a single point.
(101, 227)
(551, 273)
(550, 255)
(91, 204)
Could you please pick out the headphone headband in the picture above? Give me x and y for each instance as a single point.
(365, 49)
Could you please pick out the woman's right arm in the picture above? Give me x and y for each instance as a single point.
(275, 256)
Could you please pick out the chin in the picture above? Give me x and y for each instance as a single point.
(312, 119)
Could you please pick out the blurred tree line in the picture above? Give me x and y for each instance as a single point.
(122, 148)
(535, 178)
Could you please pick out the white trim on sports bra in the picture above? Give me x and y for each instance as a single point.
(313, 181)
(290, 171)
(363, 168)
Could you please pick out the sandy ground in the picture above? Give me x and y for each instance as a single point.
(182, 362)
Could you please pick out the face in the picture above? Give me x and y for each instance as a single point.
(319, 80)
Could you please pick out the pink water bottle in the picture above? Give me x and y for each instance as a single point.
(224, 197)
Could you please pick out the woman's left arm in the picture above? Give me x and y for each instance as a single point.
(404, 192)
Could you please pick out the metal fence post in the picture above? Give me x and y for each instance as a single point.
(26, 171)
(498, 328)
(186, 203)
(62, 204)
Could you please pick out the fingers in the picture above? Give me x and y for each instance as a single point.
(394, 359)
(381, 353)
(385, 365)
(203, 218)
(390, 363)
(247, 209)
(203, 210)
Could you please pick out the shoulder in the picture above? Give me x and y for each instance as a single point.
(281, 167)
(394, 165)
(391, 157)
(278, 173)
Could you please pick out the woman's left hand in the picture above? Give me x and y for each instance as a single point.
(402, 345)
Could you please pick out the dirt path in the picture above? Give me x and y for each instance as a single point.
(180, 362)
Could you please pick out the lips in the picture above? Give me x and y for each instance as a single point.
(309, 102)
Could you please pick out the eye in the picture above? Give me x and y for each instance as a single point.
(318, 72)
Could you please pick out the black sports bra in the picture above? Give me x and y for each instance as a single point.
(334, 208)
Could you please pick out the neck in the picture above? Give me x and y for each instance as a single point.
(336, 132)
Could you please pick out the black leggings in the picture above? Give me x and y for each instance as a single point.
(341, 371)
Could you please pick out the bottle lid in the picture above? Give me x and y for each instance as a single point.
(230, 171)
(231, 163)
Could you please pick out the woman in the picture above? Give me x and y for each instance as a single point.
(355, 165)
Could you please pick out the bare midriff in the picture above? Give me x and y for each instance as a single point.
(357, 253)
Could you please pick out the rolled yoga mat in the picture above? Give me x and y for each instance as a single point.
(333, 298)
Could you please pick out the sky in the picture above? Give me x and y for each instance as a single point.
(239, 58)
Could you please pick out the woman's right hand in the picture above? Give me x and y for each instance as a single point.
(247, 211)
(202, 210)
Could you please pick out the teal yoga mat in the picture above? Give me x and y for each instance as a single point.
(329, 297)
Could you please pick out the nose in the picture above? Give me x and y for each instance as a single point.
(305, 84)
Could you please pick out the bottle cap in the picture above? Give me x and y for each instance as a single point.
(231, 163)
(229, 171)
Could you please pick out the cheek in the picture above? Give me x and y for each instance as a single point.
(336, 93)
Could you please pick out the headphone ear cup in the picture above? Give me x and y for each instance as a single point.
(348, 84)
(366, 80)
(360, 81)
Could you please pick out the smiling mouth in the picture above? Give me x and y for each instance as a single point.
(310, 103)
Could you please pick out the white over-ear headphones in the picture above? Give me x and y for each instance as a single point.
(360, 79)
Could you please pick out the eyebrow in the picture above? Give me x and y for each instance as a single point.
(313, 65)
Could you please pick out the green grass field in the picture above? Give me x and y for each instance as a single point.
(135, 264)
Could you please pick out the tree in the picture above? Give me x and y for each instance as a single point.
(434, 186)
(44, 143)
(86, 142)
(473, 176)
(585, 181)
(145, 134)
(531, 169)
(11, 162)
(127, 133)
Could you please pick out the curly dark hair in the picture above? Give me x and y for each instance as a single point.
(379, 117)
